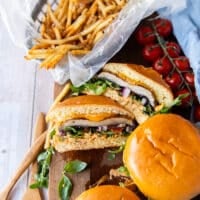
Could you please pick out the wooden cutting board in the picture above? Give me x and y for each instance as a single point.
(98, 165)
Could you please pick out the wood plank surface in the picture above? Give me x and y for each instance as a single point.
(25, 91)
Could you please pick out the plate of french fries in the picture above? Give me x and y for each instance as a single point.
(72, 26)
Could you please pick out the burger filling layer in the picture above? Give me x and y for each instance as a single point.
(127, 95)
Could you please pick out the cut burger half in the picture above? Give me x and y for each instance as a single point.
(140, 90)
(89, 122)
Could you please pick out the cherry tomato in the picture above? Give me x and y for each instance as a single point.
(145, 35)
(189, 77)
(152, 52)
(163, 66)
(182, 63)
(174, 80)
(197, 113)
(163, 26)
(173, 49)
(186, 100)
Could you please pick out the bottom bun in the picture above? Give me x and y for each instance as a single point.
(108, 192)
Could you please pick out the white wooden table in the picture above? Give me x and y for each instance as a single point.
(24, 92)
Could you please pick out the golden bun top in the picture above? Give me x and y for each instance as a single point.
(107, 192)
(142, 76)
(163, 158)
(91, 107)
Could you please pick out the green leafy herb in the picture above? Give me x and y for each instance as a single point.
(95, 86)
(73, 131)
(124, 170)
(107, 133)
(75, 166)
(112, 153)
(65, 185)
(111, 156)
(42, 177)
(148, 110)
(77, 90)
(52, 133)
(65, 188)
(176, 102)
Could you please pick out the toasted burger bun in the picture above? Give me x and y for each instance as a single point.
(142, 76)
(91, 107)
(108, 192)
(163, 158)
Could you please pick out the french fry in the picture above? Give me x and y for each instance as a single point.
(74, 26)
(53, 18)
(98, 36)
(77, 24)
(79, 52)
(69, 14)
(39, 46)
(61, 95)
(60, 41)
(101, 7)
(57, 33)
(62, 15)
(47, 36)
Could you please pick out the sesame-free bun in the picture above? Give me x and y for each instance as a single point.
(142, 76)
(108, 192)
(163, 158)
(91, 107)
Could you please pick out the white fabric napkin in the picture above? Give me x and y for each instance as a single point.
(186, 26)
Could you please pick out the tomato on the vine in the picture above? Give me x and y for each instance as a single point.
(152, 52)
(163, 66)
(189, 77)
(145, 35)
(173, 49)
(174, 80)
(182, 63)
(163, 26)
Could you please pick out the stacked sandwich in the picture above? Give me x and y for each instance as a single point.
(105, 110)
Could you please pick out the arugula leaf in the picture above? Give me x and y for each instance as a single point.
(65, 188)
(148, 110)
(112, 153)
(107, 133)
(96, 86)
(123, 169)
(111, 156)
(73, 131)
(75, 166)
(118, 150)
(77, 90)
(44, 161)
(176, 102)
